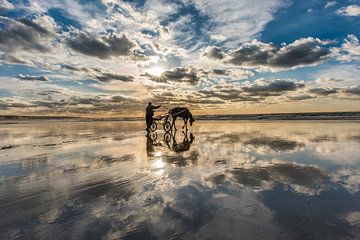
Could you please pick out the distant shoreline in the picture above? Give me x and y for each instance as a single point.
(262, 117)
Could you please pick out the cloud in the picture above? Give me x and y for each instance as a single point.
(8, 104)
(98, 73)
(301, 97)
(290, 174)
(77, 68)
(5, 6)
(350, 11)
(305, 51)
(338, 76)
(101, 47)
(22, 34)
(323, 91)
(302, 52)
(349, 50)
(353, 90)
(220, 72)
(169, 96)
(228, 95)
(214, 52)
(87, 104)
(273, 88)
(274, 143)
(330, 4)
(254, 92)
(237, 21)
(185, 74)
(33, 78)
(107, 77)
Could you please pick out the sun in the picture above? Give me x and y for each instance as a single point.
(156, 71)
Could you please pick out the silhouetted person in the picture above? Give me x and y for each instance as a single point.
(149, 115)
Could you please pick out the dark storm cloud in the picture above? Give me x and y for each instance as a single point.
(214, 53)
(323, 91)
(305, 51)
(101, 47)
(353, 91)
(272, 88)
(22, 34)
(33, 78)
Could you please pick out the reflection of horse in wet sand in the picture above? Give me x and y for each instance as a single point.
(184, 145)
(183, 113)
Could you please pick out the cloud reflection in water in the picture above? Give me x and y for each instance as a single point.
(221, 180)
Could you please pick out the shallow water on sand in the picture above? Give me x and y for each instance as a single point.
(220, 180)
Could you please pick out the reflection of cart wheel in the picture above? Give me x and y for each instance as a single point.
(167, 137)
(167, 127)
(153, 136)
(153, 127)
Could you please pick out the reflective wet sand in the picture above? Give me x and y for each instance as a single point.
(220, 180)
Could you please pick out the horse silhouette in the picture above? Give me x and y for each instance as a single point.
(183, 113)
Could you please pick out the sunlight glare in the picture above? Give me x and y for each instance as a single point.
(156, 71)
(159, 163)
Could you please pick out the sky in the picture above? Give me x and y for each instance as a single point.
(109, 58)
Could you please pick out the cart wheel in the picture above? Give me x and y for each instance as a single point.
(153, 127)
(167, 127)
(167, 137)
(153, 136)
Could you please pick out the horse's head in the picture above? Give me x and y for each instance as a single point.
(192, 120)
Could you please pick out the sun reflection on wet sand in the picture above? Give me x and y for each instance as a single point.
(219, 180)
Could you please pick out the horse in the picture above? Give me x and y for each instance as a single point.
(182, 112)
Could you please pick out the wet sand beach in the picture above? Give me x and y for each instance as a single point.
(218, 180)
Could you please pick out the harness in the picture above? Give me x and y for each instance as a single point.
(179, 112)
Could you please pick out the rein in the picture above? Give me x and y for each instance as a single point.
(179, 112)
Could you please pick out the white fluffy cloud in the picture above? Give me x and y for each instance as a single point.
(237, 21)
(350, 11)
(349, 50)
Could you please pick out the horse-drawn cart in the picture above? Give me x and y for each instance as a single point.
(168, 120)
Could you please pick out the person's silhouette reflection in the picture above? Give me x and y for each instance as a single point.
(150, 138)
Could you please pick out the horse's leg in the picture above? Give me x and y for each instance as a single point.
(186, 120)
(173, 123)
(185, 123)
